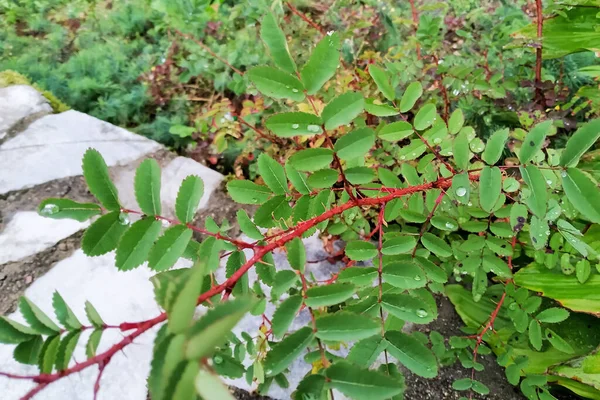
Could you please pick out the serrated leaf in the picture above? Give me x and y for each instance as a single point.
(247, 226)
(282, 354)
(48, 354)
(298, 179)
(411, 95)
(147, 187)
(412, 354)
(210, 386)
(582, 193)
(404, 275)
(188, 198)
(93, 342)
(247, 192)
(495, 146)
(28, 352)
(552, 315)
(425, 117)
(436, 245)
(66, 349)
(285, 314)
(311, 159)
(103, 235)
(273, 36)
(323, 178)
(93, 316)
(272, 212)
(63, 313)
(580, 142)
(296, 254)
(135, 245)
(395, 131)
(67, 209)
(355, 144)
(398, 245)
(181, 310)
(342, 109)
(36, 318)
(211, 329)
(292, 124)
(456, 121)
(98, 180)
(362, 384)
(490, 187)
(536, 182)
(359, 250)
(272, 173)
(460, 150)
(365, 352)
(382, 80)
(322, 296)
(346, 326)
(322, 63)
(169, 247)
(275, 83)
(534, 141)
(311, 387)
(12, 332)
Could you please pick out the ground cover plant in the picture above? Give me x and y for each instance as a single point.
(503, 220)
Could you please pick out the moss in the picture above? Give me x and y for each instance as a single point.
(9, 77)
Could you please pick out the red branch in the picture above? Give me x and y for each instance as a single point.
(415, 18)
(305, 18)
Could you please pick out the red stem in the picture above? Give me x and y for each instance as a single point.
(415, 18)
(539, 93)
(305, 18)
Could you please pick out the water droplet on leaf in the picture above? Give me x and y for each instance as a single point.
(50, 209)
(313, 128)
(124, 219)
(421, 313)
(461, 191)
(295, 126)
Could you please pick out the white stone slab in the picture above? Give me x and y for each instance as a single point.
(27, 233)
(19, 102)
(52, 147)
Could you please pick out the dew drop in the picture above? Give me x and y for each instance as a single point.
(124, 219)
(313, 128)
(295, 126)
(450, 225)
(437, 140)
(470, 204)
(450, 153)
(50, 209)
(549, 182)
(402, 157)
(477, 297)
(421, 313)
(563, 174)
(217, 359)
(513, 306)
(461, 191)
(295, 90)
(417, 278)
(165, 223)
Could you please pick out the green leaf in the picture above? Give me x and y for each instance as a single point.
(558, 342)
(104, 234)
(12, 332)
(583, 270)
(147, 187)
(425, 117)
(395, 131)
(273, 36)
(409, 308)
(343, 109)
(362, 384)
(311, 159)
(247, 192)
(276, 83)
(311, 387)
(535, 335)
(272, 173)
(534, 141)
(285, 314)
(269, 214)
(63, 313)
(496, 266)
(181, 310)
(373, 107)
(96, 176)
(68, 209)
(355, 144)
(411, 95)
(490, 187)
(169, 247)
(322, 64)
(398, 245)
(282, 354)
(329, 295)
(135, 245)
(296, 254)
(536, 182)
(461, 187)
(346, 326)
(580, 142)
(365, 352)
(48, 354)
(462, 384)
(359, 175)
(247, 226)
(382, 80)
(36, 318)
(210, 386)
(552, 315)
(93, 342)
(359, 276)
(292, 124)
(323, 178)
(404, 275)
(188, 198)
(456, 121)
(212, 328)
(359, 250)
(460, 150)
(66, 348)
(412, 354)
(185, 388)
(436, 245)
(495, 146)
(582, 193)
(28, 352)
(93, 316)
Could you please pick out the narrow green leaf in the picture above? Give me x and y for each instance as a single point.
(490, 187)
(93, 343)
(552, 315)
(359, 250)
(535, 334)
(558, 342)
(63, 312)
(322, 64)
(311, 159)
(346, 326)
(495, 146)
(382, 80)
(374, 107)
(292, 124)
(287, 351)
(395, 131)
(460, 150)
(247, 192)
(412, 354)
(68, 209)
(456, 121)
(181, 311)
(436, 245)
(425, 117)
(93, 316)
(323, 178)
(298, 179)
(29, 352)
(362, 384)
(66, 348)
(48, 354)
(98, 180)
(343, 109)
(580, 142)
(147, 187)
(273, 36)
(285, 314)
(188, 198)
(210, 386)
(247, 226)
(36, 318)
(169, 247)
(296, 254)
(135, 245)
(275, 83)
(12, 332)
(104, 234)
(272, 173)
(355, 144)
(582, 193)
(534, 141)
(322, 296)
(311, 387)
(398, 245)
(583, 270)
(411, 95)
(365, 352)
(536, 182)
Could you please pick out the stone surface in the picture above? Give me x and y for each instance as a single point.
(18, 103)
(28, 233)
(52, 147)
